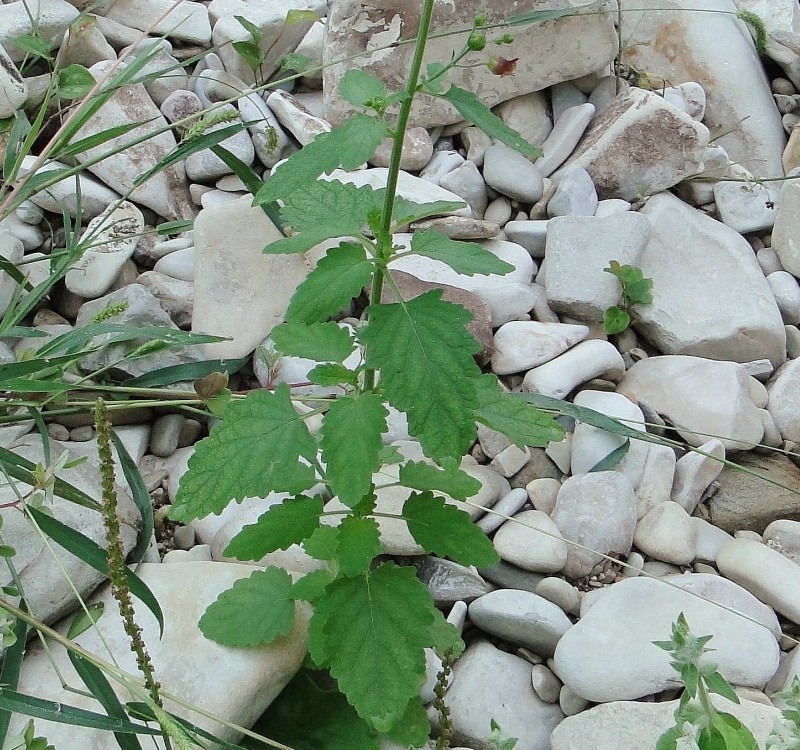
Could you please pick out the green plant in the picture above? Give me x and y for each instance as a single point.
(698, 724)
(636, 289)
(785, 734)
(371, 619)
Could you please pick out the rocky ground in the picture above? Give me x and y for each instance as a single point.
(671, 161)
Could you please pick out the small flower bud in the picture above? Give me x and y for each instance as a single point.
(476, 42)
(500, 66)
(480, 20)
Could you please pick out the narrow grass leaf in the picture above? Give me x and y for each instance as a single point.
(611, 461)
(100, 688)
(143, 711)
(174, 227)
(472, 109)
(348, 146)
(370, 630)
(284, 524)
(322, 342)
(189, 371)
(425, 355)
(62, 713)
(95, 557)
(10, 669)
(252, 181)
(14, 153)
(539, 16)
(447, 531)
(339, 277)
(467, 258)
(140, 497)
(418, 475)
(351, 441)
(255, 450)
(98, 139)
(41, 428)
(189, 147)
(84, 619)
(253, 612)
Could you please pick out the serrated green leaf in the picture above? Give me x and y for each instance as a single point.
(447, 531)
(255, 450)
(611, 461)
(305, 717)
(332, 374)
(322, 342)
(351, 440)
(467, 258)
(418, 475)
(472, 109)
(310, 587)
(359, 87)
(342, 204)
(389, 454)
(339, 277)
(406, 211)
(283, 525)
(446, 640)
(349, 146)
(322, 543)
(414, 728)
(323, 210)
(514, 419)
(370, 630)
(74, 82)
(253, 612)
(359, 543)
(424, 354)
(615, 320)
(716, 683)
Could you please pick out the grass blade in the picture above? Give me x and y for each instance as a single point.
(62, 713)
(100, 688)
(187, 148)
(185, 372)
(95, 557)
(251, 181)
(10, 669)
(143, 711)
(139, 494)
(98, 139)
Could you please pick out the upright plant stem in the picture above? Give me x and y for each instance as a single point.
(384, 238)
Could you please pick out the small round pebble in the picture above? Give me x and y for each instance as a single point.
(82, 434)
(545, 684)
(560, 592)
(571, 703)
(57, 431)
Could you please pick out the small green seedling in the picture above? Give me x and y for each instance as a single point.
(698, 724)
(496, 740)
(636, 289)
(785, 734)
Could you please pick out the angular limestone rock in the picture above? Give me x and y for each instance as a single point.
(640, 144)
(547, 53)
